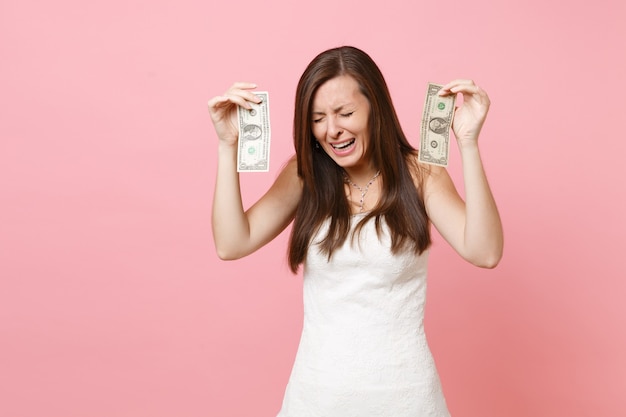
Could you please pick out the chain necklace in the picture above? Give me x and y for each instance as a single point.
(363, 190)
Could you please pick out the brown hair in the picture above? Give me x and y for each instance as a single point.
(323, 196)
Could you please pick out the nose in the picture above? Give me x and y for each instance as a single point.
(334, 130)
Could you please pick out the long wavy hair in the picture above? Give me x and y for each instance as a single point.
(401, 203)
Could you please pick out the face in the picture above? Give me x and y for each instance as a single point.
(340, 115)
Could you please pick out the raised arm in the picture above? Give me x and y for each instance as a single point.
(472, 227)
(236, 232)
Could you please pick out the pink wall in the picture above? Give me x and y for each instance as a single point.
(112, 300)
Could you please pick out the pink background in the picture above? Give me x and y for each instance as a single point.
(112, 300)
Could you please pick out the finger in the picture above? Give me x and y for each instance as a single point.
(217, 100)
(458, 85)
(243, 89)
(221, 103)
(242, 85)
(243, 99)
(237, 94)
(230, 98)
(248, 95)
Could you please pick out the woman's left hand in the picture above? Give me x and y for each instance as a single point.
(470, 116)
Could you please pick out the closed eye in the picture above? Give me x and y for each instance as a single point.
(347, 114)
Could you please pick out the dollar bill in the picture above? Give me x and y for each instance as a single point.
(436, 122)
(253, 149)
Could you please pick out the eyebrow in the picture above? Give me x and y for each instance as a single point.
(336, 109)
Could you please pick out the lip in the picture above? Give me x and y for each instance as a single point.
(343, 151)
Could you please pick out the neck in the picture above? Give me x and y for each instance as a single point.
(361, 176)
(362, 189)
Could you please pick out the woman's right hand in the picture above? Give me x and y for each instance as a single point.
(223, 110)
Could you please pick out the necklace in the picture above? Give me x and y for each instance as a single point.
(363, 190)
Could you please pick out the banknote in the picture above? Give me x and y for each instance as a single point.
(436, 123)
(253, 149)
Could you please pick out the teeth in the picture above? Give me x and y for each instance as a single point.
(344, 146)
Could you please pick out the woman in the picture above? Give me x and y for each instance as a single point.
(362, 205)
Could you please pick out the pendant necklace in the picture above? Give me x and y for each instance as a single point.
(363, 190)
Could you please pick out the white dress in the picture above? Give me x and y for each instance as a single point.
(363, 351)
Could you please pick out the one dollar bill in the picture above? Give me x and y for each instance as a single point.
(436, 123)
(253, 149)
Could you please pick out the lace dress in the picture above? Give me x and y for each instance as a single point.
(363, 351)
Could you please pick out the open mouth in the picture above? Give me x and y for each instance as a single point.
(344, 145)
